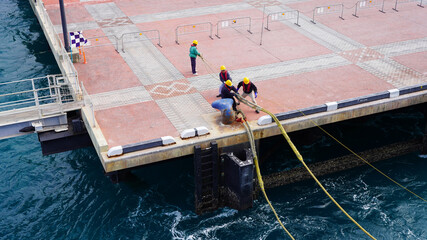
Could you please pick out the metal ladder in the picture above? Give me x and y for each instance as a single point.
(206, 177)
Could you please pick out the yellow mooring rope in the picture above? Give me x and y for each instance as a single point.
(258, 172)
(251, 138)
(364, 160)
(282, 130)
(252, 105)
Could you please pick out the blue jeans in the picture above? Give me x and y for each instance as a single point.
(193, 65)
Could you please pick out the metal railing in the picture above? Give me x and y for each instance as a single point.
(61, 55)
(281, 16)
(192, 29)
(368, 4)
(36, 92)
(420, 4)
(146, 35)
(233, 23)
(101, 41)
(323, 10)
(88, 103)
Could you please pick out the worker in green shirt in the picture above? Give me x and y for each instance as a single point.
(193, 55)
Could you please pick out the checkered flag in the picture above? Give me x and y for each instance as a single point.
(77, 39)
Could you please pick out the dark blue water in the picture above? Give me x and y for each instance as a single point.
(67, 196)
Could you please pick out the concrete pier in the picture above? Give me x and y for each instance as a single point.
(139, 89)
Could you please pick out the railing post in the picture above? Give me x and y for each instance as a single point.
(314, 10)
(93, 114)
(210, 24)
(382, 7)
(60, 98)
(355, 10)
(36, 98)
(268, 20)
(117, 44)
(298, 19)
(158, 33)
(217, 29)
(342, 12)
(250, 24)
(395, 7)
(176, 35)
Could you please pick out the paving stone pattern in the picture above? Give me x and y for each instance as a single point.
(186, 111)
(402, 48)
(393, 72)
(177, 95)
(118, 98)
(275, 70)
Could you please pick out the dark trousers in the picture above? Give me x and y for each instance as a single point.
(193, 65)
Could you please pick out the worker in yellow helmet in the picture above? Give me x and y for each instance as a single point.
(193, 55)
(223, 76)
(226, 92)
(249, 89)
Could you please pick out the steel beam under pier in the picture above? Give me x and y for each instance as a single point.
(342, 163)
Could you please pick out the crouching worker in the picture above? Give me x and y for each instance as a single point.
(249, 89)
(226, 92)
(223, 76)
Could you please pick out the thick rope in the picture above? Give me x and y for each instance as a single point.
(252, 105)
(258, 171)
(282, 130)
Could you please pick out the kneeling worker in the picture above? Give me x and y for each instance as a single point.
(248, 89)
(226, 92)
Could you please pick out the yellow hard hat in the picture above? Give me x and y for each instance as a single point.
(223, 67)
(246, 80)
(195, 42)
(228, 83)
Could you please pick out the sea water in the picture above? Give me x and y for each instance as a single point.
(67, 196)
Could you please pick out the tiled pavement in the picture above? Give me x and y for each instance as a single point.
(146, 92)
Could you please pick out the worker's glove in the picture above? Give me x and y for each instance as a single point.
(256, 95)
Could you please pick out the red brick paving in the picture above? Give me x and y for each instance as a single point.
(107, 71)
(143, 121)
(133, 7)
(74, 13)
(416, 61)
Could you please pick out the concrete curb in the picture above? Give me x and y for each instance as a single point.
(119, 150)
(194, 132)
(331, 106)
(411, 89)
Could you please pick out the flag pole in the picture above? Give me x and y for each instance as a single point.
(84, 55)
